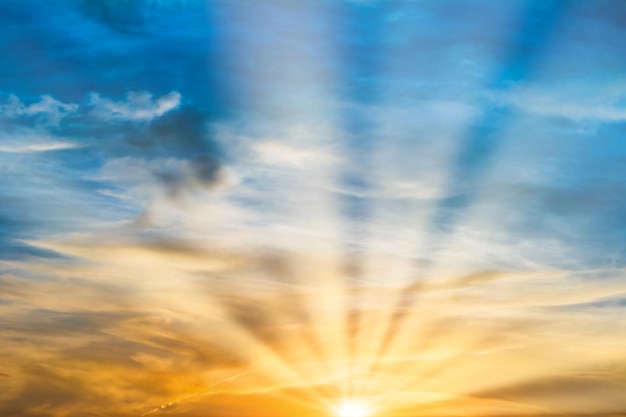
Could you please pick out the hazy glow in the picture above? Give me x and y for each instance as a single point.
(311, 208)
(353, 408)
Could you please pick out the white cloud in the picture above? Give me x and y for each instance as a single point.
(601, 105)
(28, 141)
(37, 147)
(277, 153)
(48, 109)
(139, 106)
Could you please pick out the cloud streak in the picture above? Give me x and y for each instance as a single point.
(138, 106)
(602, 105)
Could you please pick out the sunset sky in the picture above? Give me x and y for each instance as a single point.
(294, 208)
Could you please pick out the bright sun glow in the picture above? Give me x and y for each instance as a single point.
(353, 408)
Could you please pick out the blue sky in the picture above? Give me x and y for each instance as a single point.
(383, 166)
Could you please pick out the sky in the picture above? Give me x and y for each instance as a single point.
(236, 208)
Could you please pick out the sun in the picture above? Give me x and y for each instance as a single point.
(353, 408)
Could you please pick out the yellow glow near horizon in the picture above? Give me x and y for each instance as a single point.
(353, 408)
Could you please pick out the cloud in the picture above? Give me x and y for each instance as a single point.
(41, 147)
(132, 319)
(139, 106)
(573, 393)
(47, 109)
(103, 332)
(25, 141)
(141, 312)
(278, 153)
(182, 134)
(599, 104)
(24, 136)
(174, 178)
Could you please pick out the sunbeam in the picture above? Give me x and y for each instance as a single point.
(334, 208)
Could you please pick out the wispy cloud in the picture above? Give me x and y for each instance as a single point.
(37, 147)
(599, 104)
(47, 109)
(172, 178)
(25, 141)
(138, 106)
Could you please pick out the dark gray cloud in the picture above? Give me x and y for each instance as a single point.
(203, 171)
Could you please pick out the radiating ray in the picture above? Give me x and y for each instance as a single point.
(480, 144)
(263, 91)
(208, 313)
(288, 277)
